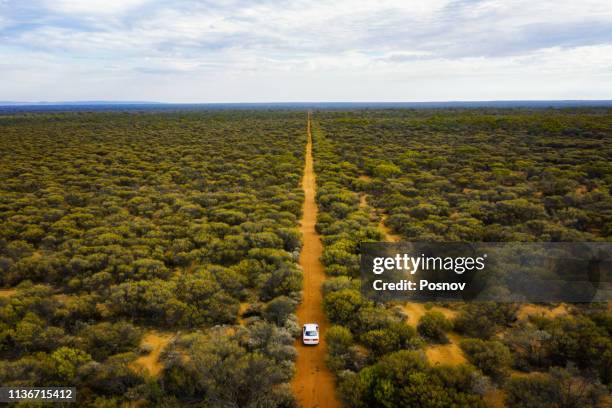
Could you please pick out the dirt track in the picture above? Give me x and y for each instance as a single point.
(313, 384)
(389, 236)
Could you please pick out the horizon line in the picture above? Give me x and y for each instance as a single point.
(374, 102)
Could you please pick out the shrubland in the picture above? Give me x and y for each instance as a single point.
(116, 224)
(463, 175)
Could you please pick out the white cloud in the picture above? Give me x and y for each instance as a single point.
(93, 7)
(242, 50)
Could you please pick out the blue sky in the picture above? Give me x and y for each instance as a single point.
(276, 50)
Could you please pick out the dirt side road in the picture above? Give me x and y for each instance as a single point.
(313, 384)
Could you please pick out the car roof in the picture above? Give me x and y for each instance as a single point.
(311, 326)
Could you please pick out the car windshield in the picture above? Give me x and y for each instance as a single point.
(310, 333)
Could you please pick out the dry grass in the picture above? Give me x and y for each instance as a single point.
(363, 201)
(446, 354)
(541, 311)
(523, 374)
(63, 298)
(4, 293)
(158, 341)
(389, 235)
(495, 399)
(581, 190)
(241, 310)
(416, 310)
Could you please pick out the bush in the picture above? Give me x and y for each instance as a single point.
(342, 306)
(482, 319)
(576, 339)
(405, 379)
(339, 339)
(278, 310)
(492, 357)
(105, 339)
(339, 342)
(433, 326)
(559, 388)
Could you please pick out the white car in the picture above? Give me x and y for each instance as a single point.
(310, 334)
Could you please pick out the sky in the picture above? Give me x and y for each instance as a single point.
(292, 51)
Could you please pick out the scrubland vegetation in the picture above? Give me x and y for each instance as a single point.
(464, 175)
(114, 225)
(120, 230)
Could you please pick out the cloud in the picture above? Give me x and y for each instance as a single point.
(92, 7)
(244, 44)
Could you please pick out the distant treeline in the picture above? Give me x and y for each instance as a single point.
(8, 107)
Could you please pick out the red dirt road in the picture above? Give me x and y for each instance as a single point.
(313, 384)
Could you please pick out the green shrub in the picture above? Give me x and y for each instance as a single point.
(433, 326)
(492, 357)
